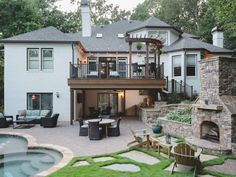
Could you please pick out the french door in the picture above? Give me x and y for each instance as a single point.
(108, 99)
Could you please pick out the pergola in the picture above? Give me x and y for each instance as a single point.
(156, 45)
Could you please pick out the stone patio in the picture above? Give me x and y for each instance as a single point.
(123, 167)
(81, 163)
(68, 136)
(103, 159)
(228, 167)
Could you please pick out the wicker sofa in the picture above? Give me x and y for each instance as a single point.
(5, 121)
(33, 114)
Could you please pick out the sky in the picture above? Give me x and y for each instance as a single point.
(65, 5)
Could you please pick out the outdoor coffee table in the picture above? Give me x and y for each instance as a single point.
(158, 144)
(23, 123)
(103, 122)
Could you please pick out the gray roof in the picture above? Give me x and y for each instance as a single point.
(153, 22)
(109, 41)
(85, 3)
(190, 35)
(45, 35)
(186, 43)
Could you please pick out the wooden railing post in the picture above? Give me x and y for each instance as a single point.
(172, 85)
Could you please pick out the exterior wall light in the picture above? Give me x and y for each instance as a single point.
(57, 94)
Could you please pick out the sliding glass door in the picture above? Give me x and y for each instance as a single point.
(108, 99)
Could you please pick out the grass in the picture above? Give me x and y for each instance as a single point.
(95, 170)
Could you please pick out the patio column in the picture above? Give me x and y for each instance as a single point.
(72, 106)
(159, 64)
(147, 60)
(130, 58)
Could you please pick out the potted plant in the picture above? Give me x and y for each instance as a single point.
(139, 46)
(156, 128)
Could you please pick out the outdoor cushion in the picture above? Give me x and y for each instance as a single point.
(33, 117)
(35, 112)
(1, 115)
(84, 126)
(22, 112)
(114, 73)
(21, 117)
(139, 139)
(44, 113)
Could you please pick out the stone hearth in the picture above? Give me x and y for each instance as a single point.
(214, 113)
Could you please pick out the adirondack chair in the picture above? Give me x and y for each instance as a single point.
(141, 139)
(185, 155)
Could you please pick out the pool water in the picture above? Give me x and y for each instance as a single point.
(16, 160)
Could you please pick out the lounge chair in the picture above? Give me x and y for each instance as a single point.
(49, 122)
(142, 139)
(114, 130)
(185, 155)
(83, 131)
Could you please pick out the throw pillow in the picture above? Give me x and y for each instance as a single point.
(22, 112)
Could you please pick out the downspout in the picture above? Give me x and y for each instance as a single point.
(185, 73)
(73, 53)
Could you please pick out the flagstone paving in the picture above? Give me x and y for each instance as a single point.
(123, 167)
(81, 163)
(228, 167)
(205, 157)
(140, 157)
(103, 159)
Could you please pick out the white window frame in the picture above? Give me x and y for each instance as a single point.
(194, 62)
(156, 34)
(173, 69)
(29, 60)
(42, 59)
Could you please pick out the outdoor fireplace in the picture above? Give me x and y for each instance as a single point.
(210, 131)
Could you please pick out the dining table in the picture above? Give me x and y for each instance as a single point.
(104, 124)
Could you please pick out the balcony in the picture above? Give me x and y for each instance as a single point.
(116, 76)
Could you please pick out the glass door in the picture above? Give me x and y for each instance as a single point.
(108, 99)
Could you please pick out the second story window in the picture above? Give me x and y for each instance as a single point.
(176, 60)
(47, 59)
(39, 59)
(33, 59)
(191, 64)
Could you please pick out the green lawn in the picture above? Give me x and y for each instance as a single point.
(95, 170)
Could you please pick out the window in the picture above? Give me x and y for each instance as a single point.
(33, 59)
(191, 64)
(47, 59)
(122, 67)
(176, 65)
(162, 35)
(34, 62)
(39, 101)
(92, 64)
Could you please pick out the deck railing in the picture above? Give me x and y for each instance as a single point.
(116, 71)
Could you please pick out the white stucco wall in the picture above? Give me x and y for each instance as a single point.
(18, 81)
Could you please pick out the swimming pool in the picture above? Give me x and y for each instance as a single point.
(16, 160)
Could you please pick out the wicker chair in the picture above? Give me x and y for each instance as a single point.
(83, 130)
(107, 111)
(114, 130)
(185, 155)
(6, 121)
(49, 122)
(95, 132)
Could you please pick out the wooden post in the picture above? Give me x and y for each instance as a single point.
(130, 58)
(83, 92)
(158, 62)
(172, 85)
(72, 104)
(147, 60)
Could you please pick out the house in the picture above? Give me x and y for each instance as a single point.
(121, 65)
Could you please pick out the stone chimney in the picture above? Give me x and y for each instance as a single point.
(86, 18)
(217, 37)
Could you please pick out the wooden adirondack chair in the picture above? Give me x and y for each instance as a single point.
(142, 139)
(185, 155)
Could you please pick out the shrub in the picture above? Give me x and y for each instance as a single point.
(174, 98)
(180, 116)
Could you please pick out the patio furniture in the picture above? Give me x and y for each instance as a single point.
(92, 74)
(107, 111)
(136, 68)
(49, 122)
(5, 121)
(104, 123)
(114, 130)
(185, 155)
(114, 74)
(24, 123)
(33, 114)
(157, 145)
(95, 132)
(142, 139)
(93, 113)
(83, 128)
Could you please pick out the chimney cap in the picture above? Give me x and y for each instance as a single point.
(216, 29)
(85, 3)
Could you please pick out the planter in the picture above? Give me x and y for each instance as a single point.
(156, 128)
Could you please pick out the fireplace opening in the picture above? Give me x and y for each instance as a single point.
(210, 131)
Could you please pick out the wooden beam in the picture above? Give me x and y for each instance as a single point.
(147, 60)
(83, 92)
(72, 106)
(159, 63)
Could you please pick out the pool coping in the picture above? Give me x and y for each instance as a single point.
(66, 153)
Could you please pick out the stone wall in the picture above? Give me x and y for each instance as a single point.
(176, 128)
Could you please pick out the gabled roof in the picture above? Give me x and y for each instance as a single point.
(45, 35)
(190, 35)
(152, 22)
(186, 43)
